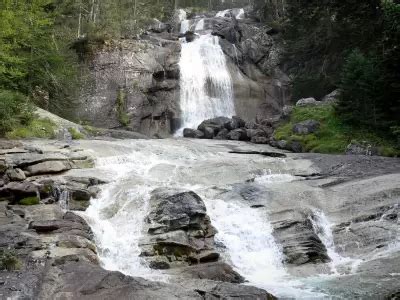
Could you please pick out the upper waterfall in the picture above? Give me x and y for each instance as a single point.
(206, 84)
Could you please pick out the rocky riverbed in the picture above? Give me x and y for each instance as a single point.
(201, 219)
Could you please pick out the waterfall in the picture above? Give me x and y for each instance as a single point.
(200, 25)
(206, 85)
(185, 26)
(322, 228)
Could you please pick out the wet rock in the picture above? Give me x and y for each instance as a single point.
(190, 36)
(179, 228)
(15, 174)
(22, 160)
(255, 133)
(159, 264)
(299, 241)
(192, 133)
(235, 123)
(217, 271)
(306, 127)
(53, 225)
(15, 191)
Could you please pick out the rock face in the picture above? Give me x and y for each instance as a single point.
(134, 84)
(180, 232)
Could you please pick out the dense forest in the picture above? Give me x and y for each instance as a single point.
(328, 44)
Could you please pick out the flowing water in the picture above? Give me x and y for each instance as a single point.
(136, 168)
(206, 84)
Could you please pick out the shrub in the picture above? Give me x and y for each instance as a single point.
(29, 201)
(37, 128)
(75, 134)
(14, 110)
(9, 261)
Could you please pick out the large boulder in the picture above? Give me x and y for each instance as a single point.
(363, 148)
(217, 271)
(49, 167)
(179, 230)
(217, 124)
(332, 98)
(306, 127)
(238, 135)
(193, 133)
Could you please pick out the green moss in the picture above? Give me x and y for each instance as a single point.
(123, 117)
(9, 261)
(29, 201)
(75, 134)
(333, 135)
(37, 128)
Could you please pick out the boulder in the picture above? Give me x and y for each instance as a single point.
(216, 123)
(216, 271)
(305, 102)
(222, 134)
(49, 167)
(250, 125)
(363, 148)
(332, 98)
(15, 174)
(287, 111)
(174, 209)
(259, 140)
(300, 243)
(235, 123)
(238, 135)
(193, 133)
(209, 133)
(158, 26)
(15, 191)
(255, 133)
(306, 127)
(190, 36)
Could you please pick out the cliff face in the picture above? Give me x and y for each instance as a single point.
(134, 84)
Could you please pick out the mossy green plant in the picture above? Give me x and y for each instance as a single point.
(37, 128)
(9, 261)
(333, 136)
(29, 201)
(75, 133)
(123, 117)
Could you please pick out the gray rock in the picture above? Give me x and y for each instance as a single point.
(259, 140)
(193, 133)
(235, 123)
(217, 271)
(287, 111)
(306, 127)
(364, 148)
(49, 167)
(209, 132)
(16, 174)
(157, 26)
(22, 160)
(250, 125)
(255, 133)
(332, 98)
(307, 102)
(15, 191)
(238, 135)
(222, 134)
(216, 123)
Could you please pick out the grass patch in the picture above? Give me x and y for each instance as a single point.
(37, 128)
(29, 201)
(9, 261)
(333, 135)
(75, 134)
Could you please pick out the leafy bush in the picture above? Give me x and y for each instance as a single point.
(334, 135)
(29, 201)
(9, 261)
(37, 128)
(14, 110)
(75, 134)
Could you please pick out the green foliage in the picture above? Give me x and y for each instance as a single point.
(14, 110)
(9, 261)
(362, 89)
(123, 118)
(75, 134)
(37, 128)
(29, 201)
(334, 135)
